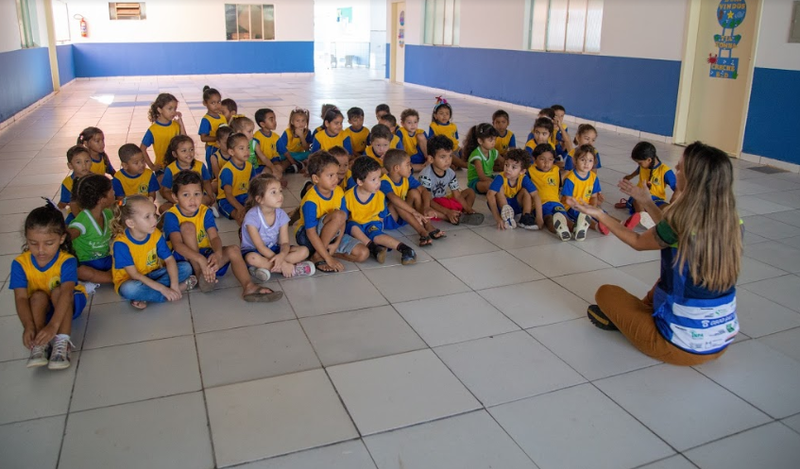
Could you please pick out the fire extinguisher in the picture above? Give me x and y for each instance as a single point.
(84, 28)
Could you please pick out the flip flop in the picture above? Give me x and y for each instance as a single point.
(141, 304)
(425, 241)
(263, 297)
(621, 204)
(323, 266)
(437, 234)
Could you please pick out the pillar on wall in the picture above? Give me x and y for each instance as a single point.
(51, 44)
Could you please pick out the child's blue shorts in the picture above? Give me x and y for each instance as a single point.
(551, 208)
(79, 301)
(371, 229)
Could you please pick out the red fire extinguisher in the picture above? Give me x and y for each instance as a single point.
(84, 29)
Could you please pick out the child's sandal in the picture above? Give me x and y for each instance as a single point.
(323, 266)
(425, 241)
(140, 305)
(437, 234)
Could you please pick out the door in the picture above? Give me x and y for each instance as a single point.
(722, 68)
(398, 65)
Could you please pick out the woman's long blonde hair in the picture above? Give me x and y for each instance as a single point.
(705, 219)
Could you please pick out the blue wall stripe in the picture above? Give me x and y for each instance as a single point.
(24, 79)
(190, 58)
(773, 114)
(66, 64)
(635, 93)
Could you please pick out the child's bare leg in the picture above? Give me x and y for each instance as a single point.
(208, 200)
(297, 254)
(412, 222)
(548, 222)
(360, 253)
(189, 237)
(66, 324)
(233, 255)
(483, 186)
(257, 260)
(358, 234)
(90, 274)
(469, 197)
(40, 303)
(386, 241)
(524, 202)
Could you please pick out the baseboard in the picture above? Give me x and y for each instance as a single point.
(21, 114)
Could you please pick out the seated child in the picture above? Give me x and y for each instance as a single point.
(656, 176)
(79, 161)
(366, 208)
(586, 136)
(344, 174)
(191, 229)
(325, 108)
(220, 157)
(243, 125)
(542, 130)
(505, 138)
(481, 156)
(404, 198)
(413, 138)
(441, 125)
(513, 193)
(323, 218)
(265, 233)
(229, 109)
(295, 142)
(144, 269)
(179, 157)
(331, 134)
(90, 231)
(437, 178)
(357, 133)
(391, 123)
(582, 185)
(546, 177)
(234, 178)
(380, 142)
(94, 141)
(134, 178)
(46, 291)
(562, 140)
(266, 142)
(381, 110)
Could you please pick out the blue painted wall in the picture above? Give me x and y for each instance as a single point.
(388, 59)
(635, 93)
(66, 64)
(24, 79)
(773, 114)
(188, 58)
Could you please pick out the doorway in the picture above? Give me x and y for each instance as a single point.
(716, 73)
(398, 60)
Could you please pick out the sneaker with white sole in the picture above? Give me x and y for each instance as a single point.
(304, 269)
(59, 357)
(646, 221)
(561, 226)
(581, 227)
(259, 273)
(528, 222)
(507, 215)
(38, 356)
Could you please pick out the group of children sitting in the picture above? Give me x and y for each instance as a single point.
(361, 185)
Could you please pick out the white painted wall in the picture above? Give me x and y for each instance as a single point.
(773, 49)
(9, 27)
(186, 21)
(631, 28)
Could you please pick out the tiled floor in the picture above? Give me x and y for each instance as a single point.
(479, 356)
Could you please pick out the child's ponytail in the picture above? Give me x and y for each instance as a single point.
(582, 129)
(478, 132)
(124, 212)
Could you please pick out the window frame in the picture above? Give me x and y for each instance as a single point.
(113, 12)
(28, 26)
(539, 32)
(267, 26)
(448, 32)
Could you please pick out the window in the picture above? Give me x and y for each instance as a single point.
(566, 25)
(249, 22)
(442, 22)
(28, 23)
(61, 21)
(126, 11)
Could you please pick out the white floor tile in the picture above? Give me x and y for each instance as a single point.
(461, 243)
(254, 352)
(275, 416)
(225, 309)
(592, 352)
(319, 295)
(593, 422)
(492, 269)
(770, 228)
(34, 443)
(586, 284)
(454, 318)
(34, 393)
(786, 342)
(507, 367)
(469, 440)
(406, 283)
(168, 432)
(753, 270)
(400, 390)
(793, 423)
(613, 251)
(116, 324)
(536, 303)
(555, 260)
(781, 290)
(347, 455)
(673, 462)
(745, 368)
(135, 372)
(515, 239)
(759, 316)
(773, 446)
(656, 397)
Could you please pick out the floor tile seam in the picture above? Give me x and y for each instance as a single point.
(753, 404)
(715, 440)
(513, 282)
(747, 286)
(782, 421)
(644, 466)
(202, 384)
(771, 334)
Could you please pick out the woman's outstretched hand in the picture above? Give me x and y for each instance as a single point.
(639, 194)
(591, 210)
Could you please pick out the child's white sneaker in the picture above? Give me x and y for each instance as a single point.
(561, 226)
(260, 274)
(647, 221)
(214, 211)
(507, 215)
(59, 357)
(304, 269)
(38, 356)
(90, 287)
(581, 227)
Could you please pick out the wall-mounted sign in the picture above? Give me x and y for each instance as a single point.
(730, 14)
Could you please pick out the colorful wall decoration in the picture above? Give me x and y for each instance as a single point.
(730, 14)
